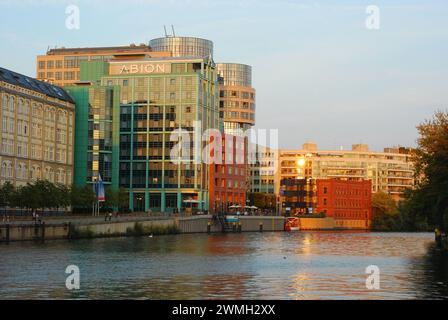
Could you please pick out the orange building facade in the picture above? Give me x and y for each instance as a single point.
(228, 170)
(61, 66)
(348, 202)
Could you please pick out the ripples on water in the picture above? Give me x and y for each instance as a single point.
(305, 265)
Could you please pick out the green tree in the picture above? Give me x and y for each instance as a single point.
(263, 200)
(385, 212)
(428, 203)
(30, 197)
(82, 197)
(7, 195)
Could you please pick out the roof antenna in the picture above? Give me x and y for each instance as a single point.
(172, 28)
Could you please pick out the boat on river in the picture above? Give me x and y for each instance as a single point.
(292, 224)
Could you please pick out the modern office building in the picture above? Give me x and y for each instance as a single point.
(156, 97)
(262, 165)
(183, 46)
(348, 202)
(97, 135)
(297, 196)
(37, 131)
(227, 182)
(390, 171)
(61, 66)
(237, 97)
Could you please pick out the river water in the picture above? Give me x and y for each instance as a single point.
(303, 265)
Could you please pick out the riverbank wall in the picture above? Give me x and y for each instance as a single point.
(136, 226)
(147, 226)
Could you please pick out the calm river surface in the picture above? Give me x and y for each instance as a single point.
(304, 265)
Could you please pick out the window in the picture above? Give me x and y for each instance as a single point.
(172, 82)
(69, 75)
(41, 64)
(125, 83)
(5, 102)
(11, 104)
(5, 124)
(58, 64)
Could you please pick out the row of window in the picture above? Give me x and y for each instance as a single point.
(236, 94)
(23, 107)
(60, 155)
(236, 105)
(34, 173)
(237, 115)
(68, 75)
(230, 183)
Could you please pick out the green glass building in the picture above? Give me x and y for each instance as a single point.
(126, 116)
(97, 135)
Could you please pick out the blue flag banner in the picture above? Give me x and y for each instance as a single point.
(99, 189)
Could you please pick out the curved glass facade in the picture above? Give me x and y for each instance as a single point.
(235, 74)
(183, 46)
(237, 97)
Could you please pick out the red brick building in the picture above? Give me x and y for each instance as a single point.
(348, 202)
(228, 173)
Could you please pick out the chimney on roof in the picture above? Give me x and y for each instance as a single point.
(360, 147)
(309, 146)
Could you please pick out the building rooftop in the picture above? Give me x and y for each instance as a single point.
(26, 82)
(162, 59)
(130, 48)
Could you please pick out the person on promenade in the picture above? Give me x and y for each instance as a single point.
(110, 216)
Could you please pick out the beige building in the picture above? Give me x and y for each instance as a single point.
(262, 163)
(390, 171)
(36, 131)
(62, 66)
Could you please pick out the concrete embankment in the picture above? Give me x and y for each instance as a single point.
(129, 227)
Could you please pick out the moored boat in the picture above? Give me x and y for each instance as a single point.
(292, 224)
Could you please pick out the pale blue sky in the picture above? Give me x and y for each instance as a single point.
(320, 74)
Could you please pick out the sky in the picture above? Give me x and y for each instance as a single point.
(320, 74)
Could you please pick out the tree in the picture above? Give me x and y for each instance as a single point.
(117, 198)
(82, 197)
(7, 195)
(385, 212)
(430, 198)
(263, 200)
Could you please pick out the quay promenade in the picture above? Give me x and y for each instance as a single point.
(73, 227)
